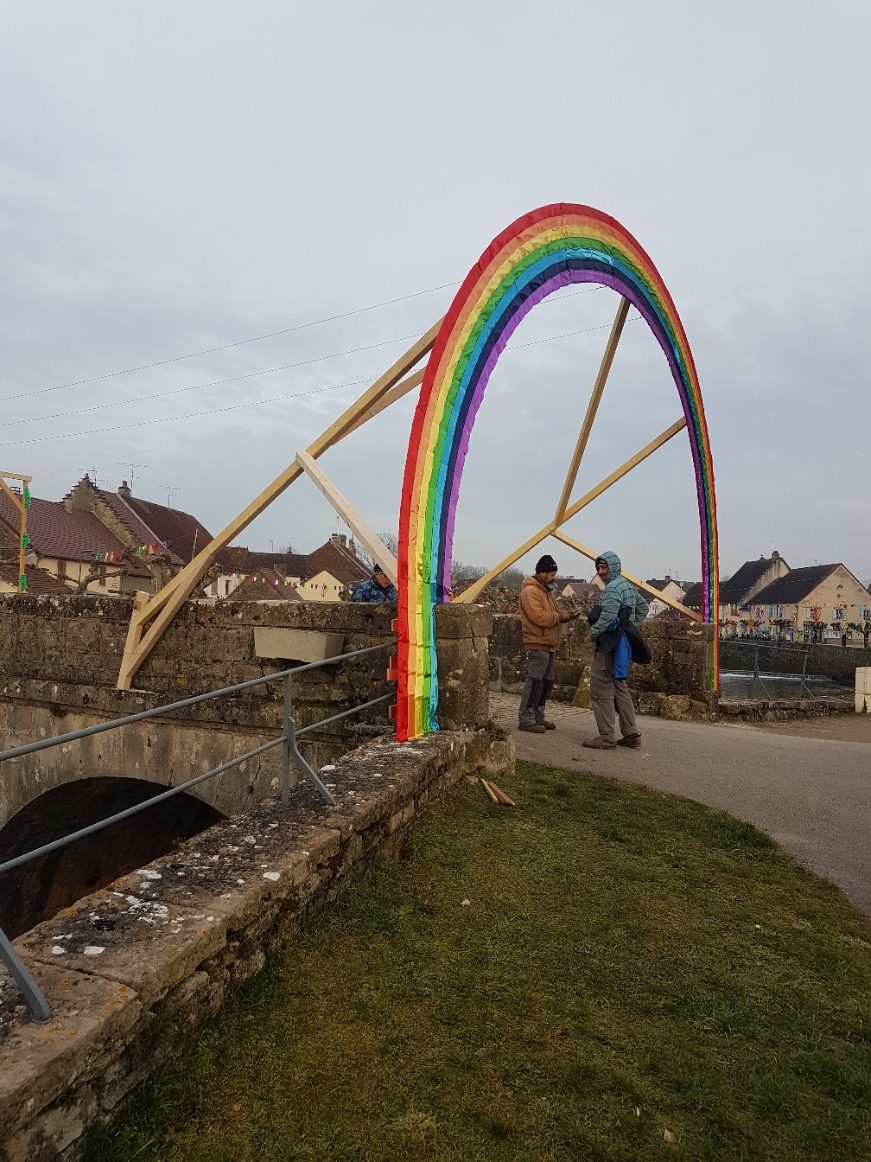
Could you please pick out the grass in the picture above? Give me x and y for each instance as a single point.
(606, 973)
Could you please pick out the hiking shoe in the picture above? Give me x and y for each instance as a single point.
(599, 744)
(532, 727)
(547, 724)
(633, 740)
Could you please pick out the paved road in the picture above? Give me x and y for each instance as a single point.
(812, 795)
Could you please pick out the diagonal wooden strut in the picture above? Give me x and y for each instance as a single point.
(376, 548)
(593, 405)
(162, 608)
(469, 595)
(636, 581)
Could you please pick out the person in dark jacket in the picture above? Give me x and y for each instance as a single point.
(377, 588)
(608, 693)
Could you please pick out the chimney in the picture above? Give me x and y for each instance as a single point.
(124, 490)
(775, 556)
(339, 540)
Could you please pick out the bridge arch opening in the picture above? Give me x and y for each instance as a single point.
(43, 887)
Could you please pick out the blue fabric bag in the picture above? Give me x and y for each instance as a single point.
(622, 657)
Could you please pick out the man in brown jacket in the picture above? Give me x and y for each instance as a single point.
(542, 625)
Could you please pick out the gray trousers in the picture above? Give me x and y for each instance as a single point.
(540, 666)
(608, 693)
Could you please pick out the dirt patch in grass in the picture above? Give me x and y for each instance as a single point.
(604, 973)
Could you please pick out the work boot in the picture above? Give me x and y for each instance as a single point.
(532, 727)
(599, 744)
(547, 724)
(632, 740)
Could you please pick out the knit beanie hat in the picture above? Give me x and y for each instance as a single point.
(546, 564)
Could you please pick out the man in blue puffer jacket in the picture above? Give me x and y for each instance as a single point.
(608, 693)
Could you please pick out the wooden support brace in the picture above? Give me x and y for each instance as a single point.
(593, 406)
(636, 581)
(162, 608)
(375, 547)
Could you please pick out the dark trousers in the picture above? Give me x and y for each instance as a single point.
(540, 666)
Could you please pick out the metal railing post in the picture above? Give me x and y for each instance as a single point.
(38, 1005)
(289, 741)
(28, 987)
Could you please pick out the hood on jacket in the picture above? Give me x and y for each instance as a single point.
(527, 581)
(613, 563)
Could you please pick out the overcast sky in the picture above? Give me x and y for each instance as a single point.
(179, 177)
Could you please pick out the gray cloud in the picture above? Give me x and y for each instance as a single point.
(173, 178)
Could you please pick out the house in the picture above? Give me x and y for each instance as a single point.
(180, 532)
(39, 581)
(334, 570)
(737, 591)
(673, 590)
(578, 589)
(265, 584)
(808, 599)
(240, 565)
(71, 543)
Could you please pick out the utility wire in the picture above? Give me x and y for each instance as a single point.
(271, 399)
(231, 378)
(116, 403)
(235, 343)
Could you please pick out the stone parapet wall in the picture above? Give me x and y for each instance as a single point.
(675, 684)
(131, 971)
(828, 661)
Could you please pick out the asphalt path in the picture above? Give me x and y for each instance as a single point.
(811, 794)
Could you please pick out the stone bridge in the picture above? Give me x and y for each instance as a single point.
(59, 660)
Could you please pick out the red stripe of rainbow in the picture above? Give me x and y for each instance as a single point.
(543, 250)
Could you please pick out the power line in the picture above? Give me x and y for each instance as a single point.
(272, 399)
(234, 378)
(235, 343)
(209, 383)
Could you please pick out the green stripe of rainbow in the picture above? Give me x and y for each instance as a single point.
(545, 249)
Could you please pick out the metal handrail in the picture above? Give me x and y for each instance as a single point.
(38, 1005)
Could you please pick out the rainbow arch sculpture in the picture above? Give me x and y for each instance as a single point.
(540, 252)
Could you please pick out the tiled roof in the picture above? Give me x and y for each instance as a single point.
(241, 559)
(138, 529)
(264, 585)
(54, 532)
(344, 565)
(794, 587)
(735, 590)
(662, 582)
(182, 532)
(39, 581)
(692, 595)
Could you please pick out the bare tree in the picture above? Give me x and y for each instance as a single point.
(511, 578)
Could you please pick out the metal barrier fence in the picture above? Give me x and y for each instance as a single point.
(31, 991)
(803, 687)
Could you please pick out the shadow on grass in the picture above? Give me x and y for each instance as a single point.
(631, 974)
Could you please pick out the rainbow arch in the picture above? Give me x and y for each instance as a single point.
(537, 254)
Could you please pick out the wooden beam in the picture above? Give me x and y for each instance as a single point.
(376, 548)
(593, 405)
(402, 388)
(16, 500)
(625, 467)
(16, 476)
(636, 581)
(163, 607)
(469, 595)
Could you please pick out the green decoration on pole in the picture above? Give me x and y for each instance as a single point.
(25, 540)
(22, 583)
(26, 497)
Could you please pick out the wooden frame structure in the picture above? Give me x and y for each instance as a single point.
(152, 614)
(21, 504)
